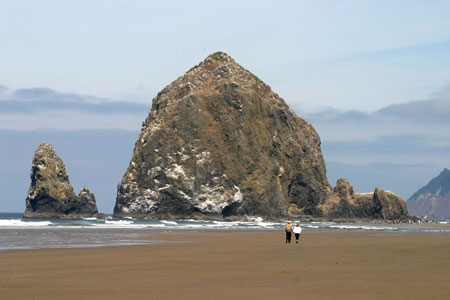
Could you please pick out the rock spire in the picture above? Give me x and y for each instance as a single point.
(50, 194)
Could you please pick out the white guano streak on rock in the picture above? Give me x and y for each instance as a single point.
(203, 157)
(184, 195)
(144, 203)
(164, 187)
(154, 127)
(215, 199)
(238, 197)
(175, 172)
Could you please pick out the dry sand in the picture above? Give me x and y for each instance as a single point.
(237, 266)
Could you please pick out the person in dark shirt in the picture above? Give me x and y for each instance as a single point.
(288, 228)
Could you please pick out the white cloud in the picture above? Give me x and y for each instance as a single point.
(427, 118)
(399, 147)
(71, 120)
(37, 108)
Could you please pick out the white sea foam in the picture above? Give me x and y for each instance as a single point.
(267, 224)
(109, 222)
(241, 224)
(344, 227)
(225, 224)
(378, 228)
(193, 220)
(194, 226)
(124, 225)
(363, 227)
(312, 226)
(169, 222)
(21, 223)
(155, 225)
(119, 222)
(256, 219)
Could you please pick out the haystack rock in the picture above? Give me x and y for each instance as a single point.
(433, 200)
(218, 142)
(347, 204)
(50, 194)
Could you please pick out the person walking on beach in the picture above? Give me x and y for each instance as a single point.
(288, 228)
(297, 231)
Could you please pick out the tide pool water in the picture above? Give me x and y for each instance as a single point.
(18, 233)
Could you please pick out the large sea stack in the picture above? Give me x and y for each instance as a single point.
(50, 194)
(218, 142)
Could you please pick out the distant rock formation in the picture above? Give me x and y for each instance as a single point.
(87, 205)
(388, 205)
(345, 203)
(218, 142)
(433, 200)
(50, 194)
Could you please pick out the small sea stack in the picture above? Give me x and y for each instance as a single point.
(50, 194)
(88, 206)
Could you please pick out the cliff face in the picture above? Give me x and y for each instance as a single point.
(345, 203)
(219, 142)
(433, 200)
(50, 194)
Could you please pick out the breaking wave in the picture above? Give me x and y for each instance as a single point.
(6, 221)
(22, 223)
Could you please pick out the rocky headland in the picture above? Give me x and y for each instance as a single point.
(432, 201)
(219, 143)
(344, 203)
(50, 194)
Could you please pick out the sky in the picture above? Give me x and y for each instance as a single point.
(373, 77)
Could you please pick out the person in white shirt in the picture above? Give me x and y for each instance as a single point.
(297, 232)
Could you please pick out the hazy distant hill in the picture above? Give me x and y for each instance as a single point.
(433, 200)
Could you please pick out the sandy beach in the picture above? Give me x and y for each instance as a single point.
(237, 266)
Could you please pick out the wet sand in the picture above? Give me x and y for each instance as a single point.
(237, 266)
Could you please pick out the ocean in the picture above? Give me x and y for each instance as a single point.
(17, 233)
